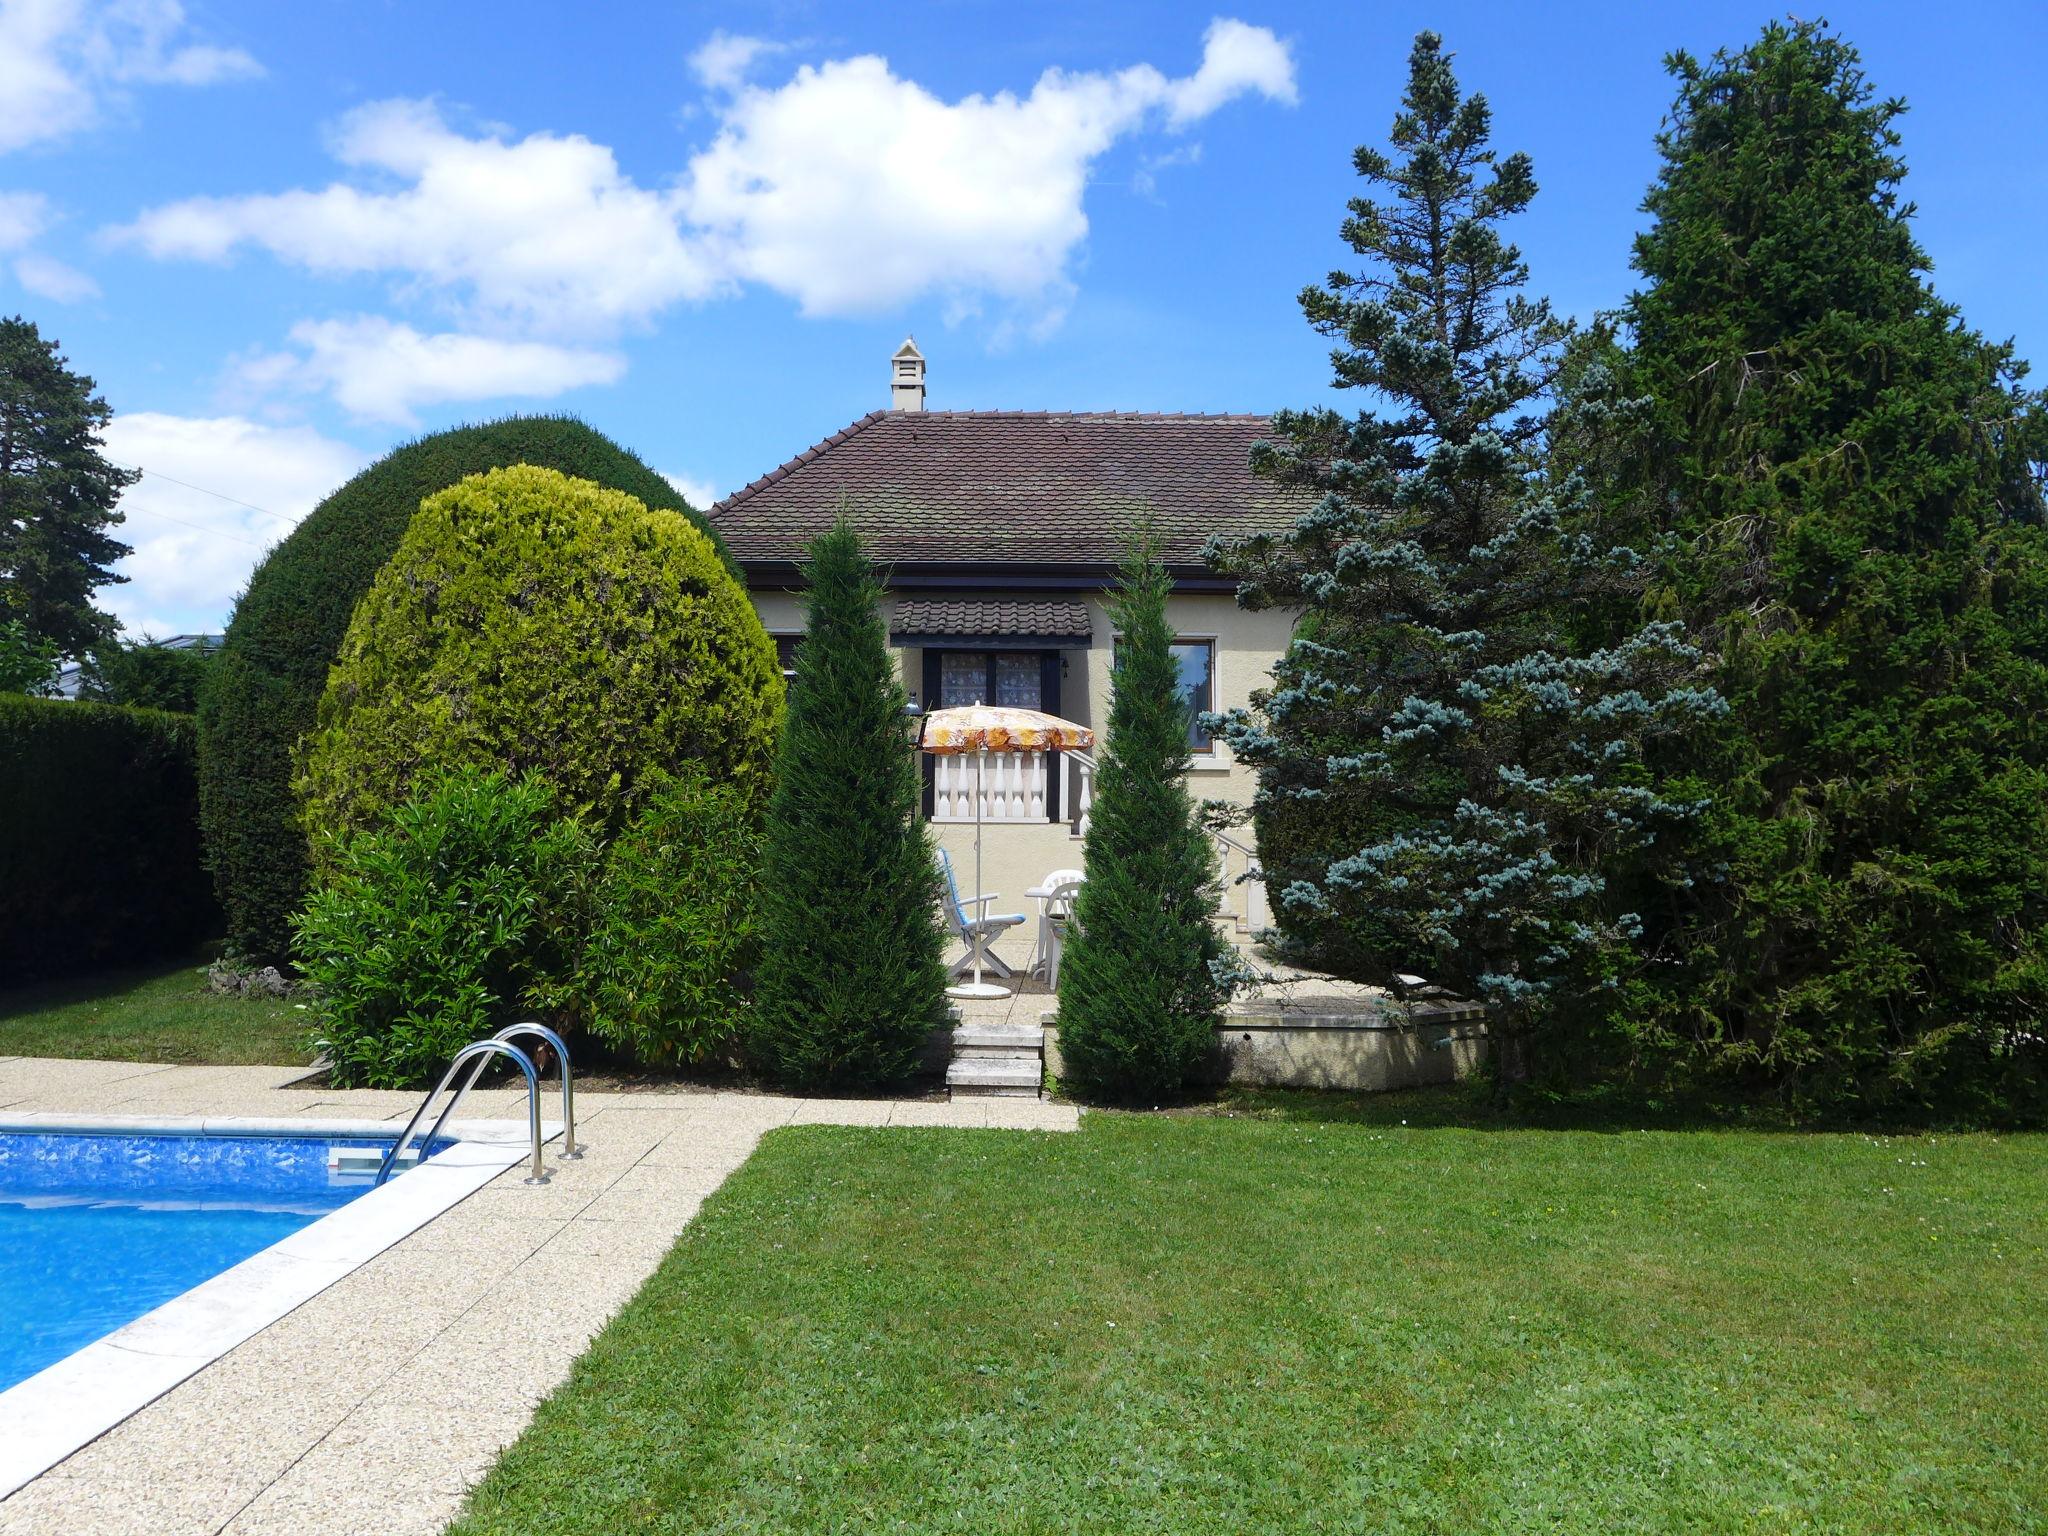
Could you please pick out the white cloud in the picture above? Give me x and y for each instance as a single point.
(698, 493)
(848, 188)
(854, 190)
(51, 279)
(545, 234)
(194, 551)
(381, 370)
(23, 216)
(721, 62)
(63, 62)
(1237, 60)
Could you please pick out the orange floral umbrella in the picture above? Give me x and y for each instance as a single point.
(981, 729)
(973, 727)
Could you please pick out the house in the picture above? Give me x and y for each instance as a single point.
(999, 534)
(71, 677)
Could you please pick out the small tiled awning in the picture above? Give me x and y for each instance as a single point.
(927, 622)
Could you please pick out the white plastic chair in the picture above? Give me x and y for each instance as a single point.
(974, 931)
(1041, 952)
(1059, 921)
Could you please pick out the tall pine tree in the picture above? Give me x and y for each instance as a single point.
(57, 495)
(852, 976)
(1854, 481)
(1446, 778)
(1139, 995)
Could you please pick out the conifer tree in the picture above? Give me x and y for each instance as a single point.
(1139, 992)
(57, 495)
(852, 975)
(1854, 480)
(1447, 778)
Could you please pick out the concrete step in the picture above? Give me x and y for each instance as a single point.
(995, 1093)
(995, 1072)
(998, 1037)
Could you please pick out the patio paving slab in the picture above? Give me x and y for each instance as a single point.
(376, 1405)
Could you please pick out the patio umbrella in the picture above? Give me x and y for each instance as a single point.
(982, 729)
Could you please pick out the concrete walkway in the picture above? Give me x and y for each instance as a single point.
(375, 1406)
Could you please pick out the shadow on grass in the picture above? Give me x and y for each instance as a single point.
(98, 985)
(1477, 1106)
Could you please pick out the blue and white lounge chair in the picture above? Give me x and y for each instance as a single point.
(972, 930)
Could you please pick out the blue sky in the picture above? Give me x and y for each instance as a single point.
(286, 237)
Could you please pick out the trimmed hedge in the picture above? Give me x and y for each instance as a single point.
(265, 685)
(99, 837)
(534, 624)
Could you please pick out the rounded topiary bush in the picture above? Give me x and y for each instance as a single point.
(534, 624)
(260, 697)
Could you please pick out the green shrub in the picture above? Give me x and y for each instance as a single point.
(27, 664)
(145, 675)
(542, 625)
(261, 696)
(99, 837)
(1139, 997)
(671, 928)
(429, 931)
(852, 979)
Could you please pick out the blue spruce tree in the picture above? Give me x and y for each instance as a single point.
(1450, 769)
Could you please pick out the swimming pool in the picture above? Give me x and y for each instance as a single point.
(96, 1230)
(135, 1251)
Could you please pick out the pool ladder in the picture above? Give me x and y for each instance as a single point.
(475, 1055)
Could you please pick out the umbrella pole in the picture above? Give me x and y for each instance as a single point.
(980, 764)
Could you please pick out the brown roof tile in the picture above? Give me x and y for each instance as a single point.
(968, 488)
(920, 619)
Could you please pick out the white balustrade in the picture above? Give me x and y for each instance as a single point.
(1013, 786)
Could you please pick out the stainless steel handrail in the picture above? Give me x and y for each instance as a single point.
(571, 1148)
(475, 1052)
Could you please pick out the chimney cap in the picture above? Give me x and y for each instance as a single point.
(906, 377)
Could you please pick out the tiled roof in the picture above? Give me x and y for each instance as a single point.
(920, 619)
(971, 488)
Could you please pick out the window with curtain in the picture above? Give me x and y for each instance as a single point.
(1012, 679)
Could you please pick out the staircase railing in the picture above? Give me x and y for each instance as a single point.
(1244, 882)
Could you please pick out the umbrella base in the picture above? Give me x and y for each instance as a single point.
(977, 989)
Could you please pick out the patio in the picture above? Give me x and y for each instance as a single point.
(378, 1403)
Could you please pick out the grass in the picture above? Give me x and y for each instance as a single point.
(161, 1012)
(1278, 1322)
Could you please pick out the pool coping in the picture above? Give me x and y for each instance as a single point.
(66, 1405)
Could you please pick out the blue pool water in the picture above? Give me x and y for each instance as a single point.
(96, 1230)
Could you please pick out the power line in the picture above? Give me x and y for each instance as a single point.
(204, 491)
(127, 506)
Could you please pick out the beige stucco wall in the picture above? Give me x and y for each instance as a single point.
(1017, 856)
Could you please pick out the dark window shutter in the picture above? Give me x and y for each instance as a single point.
(930, 701)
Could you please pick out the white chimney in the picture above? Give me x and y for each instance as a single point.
(906, 378)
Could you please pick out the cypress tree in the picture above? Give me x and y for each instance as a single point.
(1139, 994)
(852, 975)
(1448, 774)
(1854, 480)
(57, 495)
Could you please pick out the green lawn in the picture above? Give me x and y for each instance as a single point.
(154, 1013)
(1279, 1322)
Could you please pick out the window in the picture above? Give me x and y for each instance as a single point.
(785, 653)
(1197, 659)
(1197, 662)
(1012, 679)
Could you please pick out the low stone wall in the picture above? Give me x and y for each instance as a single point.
(1367, 1051)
